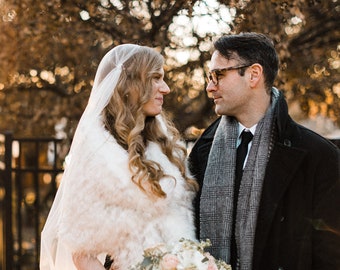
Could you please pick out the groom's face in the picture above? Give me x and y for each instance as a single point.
(230, 90)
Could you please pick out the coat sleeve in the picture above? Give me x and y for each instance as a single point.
(326, 216)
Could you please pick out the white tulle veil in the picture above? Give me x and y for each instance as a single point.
(54, 254)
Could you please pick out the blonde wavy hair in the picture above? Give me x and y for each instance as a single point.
(125, 120)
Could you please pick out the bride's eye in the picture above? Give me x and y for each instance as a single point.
(157, 77)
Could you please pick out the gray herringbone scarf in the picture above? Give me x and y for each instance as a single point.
(216, 203)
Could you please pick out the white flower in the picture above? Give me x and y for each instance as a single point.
(184, 255)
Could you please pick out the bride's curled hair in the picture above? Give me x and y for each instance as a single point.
(126, 121)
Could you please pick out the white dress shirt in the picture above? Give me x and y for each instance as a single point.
(240, 129)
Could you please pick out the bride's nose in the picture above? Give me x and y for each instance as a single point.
(164, 88)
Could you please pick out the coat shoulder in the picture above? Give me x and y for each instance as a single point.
(313, 142)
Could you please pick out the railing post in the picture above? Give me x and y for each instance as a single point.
(7, 228)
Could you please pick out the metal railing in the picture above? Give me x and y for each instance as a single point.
(30, 169)
(29, 173)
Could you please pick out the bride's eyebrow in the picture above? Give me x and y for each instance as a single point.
(158, 73)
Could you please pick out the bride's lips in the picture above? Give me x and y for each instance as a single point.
(160, 99)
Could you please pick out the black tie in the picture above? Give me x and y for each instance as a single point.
(242, 150)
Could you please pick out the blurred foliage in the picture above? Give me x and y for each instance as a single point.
(51, 49)
(307, 37)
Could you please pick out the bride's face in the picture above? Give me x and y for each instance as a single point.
(159, 89)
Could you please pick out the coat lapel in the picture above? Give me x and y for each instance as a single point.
(282, 165)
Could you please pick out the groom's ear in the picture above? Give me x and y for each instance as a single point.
(255, 73)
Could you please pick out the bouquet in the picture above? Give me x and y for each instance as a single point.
(184, 255)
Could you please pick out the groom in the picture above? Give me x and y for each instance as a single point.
(278, 206)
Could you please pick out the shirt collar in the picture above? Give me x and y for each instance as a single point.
(242, 127)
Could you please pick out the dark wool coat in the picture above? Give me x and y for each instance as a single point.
(298, 225)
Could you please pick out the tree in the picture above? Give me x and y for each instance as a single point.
(307, 37)
(52, 48)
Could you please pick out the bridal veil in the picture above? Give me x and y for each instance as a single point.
(88, 139)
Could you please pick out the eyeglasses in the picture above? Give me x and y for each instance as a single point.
(216, 73)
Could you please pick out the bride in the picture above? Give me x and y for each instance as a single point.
(126, 186)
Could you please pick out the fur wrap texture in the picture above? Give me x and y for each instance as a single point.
(104, 212)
